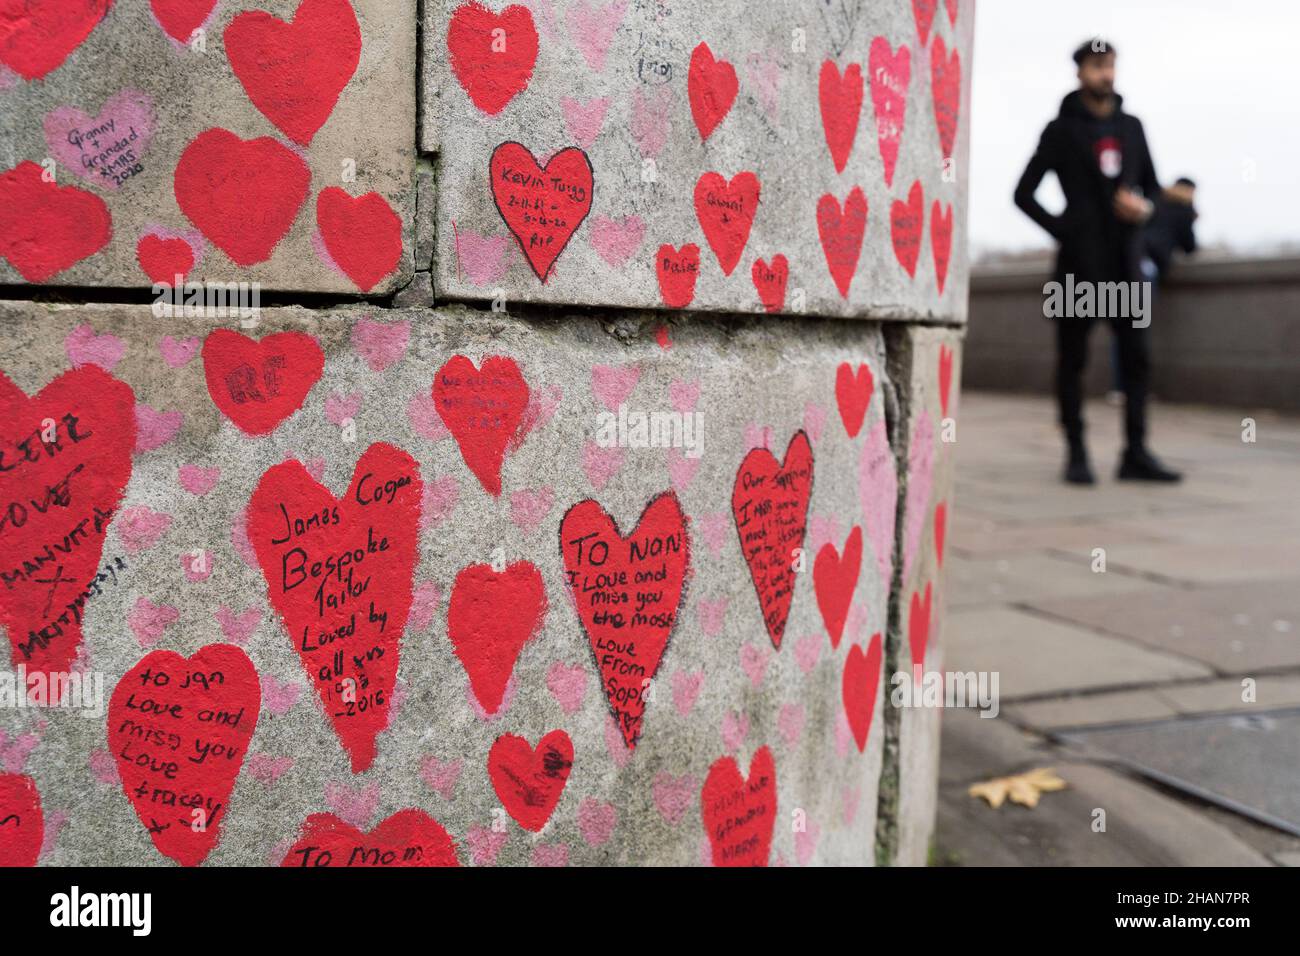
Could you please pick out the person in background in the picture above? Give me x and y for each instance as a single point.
(1170, 229)
(1099, 154)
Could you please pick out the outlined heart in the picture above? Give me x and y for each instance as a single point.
(407, 838)
(627, 590)
(362, 234)
(59, 500)
(853, 392)
(45, 227)
(180, 18)
(945, 87)
(482, 408)
(941, 241)
(542, 206)
(489, 620)
(711, 86)
(918, 629)
(257, 384)
(890, 75)
(677, 270)
(726, 213)
(339, 575)
(859, 687)
(835, 576)
(906, 223)
(770, 282)
(243, 195)
(769, 502)
(492, 55)
(739, 814)
(179, 729)
(294, 72)
(840, 96)
(22, 825)
(36, 36)
(841, 231)
(945, 378)
(529, 780)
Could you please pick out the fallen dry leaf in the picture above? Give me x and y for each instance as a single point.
(1022, 788)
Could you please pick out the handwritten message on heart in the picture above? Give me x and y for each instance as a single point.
(22, 826)
(542, 206)
(529, 780)
(483, 409)
(407, 838)
(108, 148)
(257, 384)
(740, 814)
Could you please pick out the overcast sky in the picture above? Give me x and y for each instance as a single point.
(1216, 84)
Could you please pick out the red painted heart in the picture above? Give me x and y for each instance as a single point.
(294, 72)
(940, 529)
(362, 234)
(45, 227)
(945, 378)
(906, 222)
(918, 630)
(834, 578)
(853, 395)
(56, 502)
(841, 104)
(482, 408)
(890, 75)
(941, 241)
(180, 18)
(489, 620)
(258, 384)
(407, 838)
(36, 36)
(945, 87)
(542, 206)
(528, 781)
(22, 826)
(163, 261)
(179, 730)
(242, 194)
(770, 282)
(859, 687)
(841, 233)
(739, 814)
(339, 575)
(677, 271)
(711, 86)
(769, 502)
(952, 10)
(492, 54)
(726, 214)
(628, 591)
(923, 11)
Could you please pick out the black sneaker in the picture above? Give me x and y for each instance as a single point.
(1077, 469)
(1141, 465)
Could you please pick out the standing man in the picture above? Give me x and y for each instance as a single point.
(1099, 154)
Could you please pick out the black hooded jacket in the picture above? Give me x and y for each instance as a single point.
(1094, 245)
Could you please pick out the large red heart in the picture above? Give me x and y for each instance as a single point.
(36, 36)
(528, 781)
(482, 408)
(362, 234)
(627, 590)
(726, 214)
(164, 261)
(294, 72)
(179, 729)
(180, 18)
(492, 54)
(542, 207)
(841, 103)
(739, 814)
(918, 629)
(770, 282)
(841, 233)
(853, 395)
(339, 574)
(859, 686)
(890, 74)
(940, 529)
(834, 578)
(711, 86)
(242, 194)
(407, 838)
(945, 378)
(677, 271)
(941, 241)
(945, 87)
(56, 503)
(258, 384)
(45, 227)
(489, 620)
(923, 11)
(769, 502)
(22, 827)
(906, 222)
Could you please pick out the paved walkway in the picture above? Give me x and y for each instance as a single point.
(1201, 590)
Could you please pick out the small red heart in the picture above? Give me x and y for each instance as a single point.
(941, 241)
(242, 194)
(834, 578)
(45, 227)
(22, 827)
(489, 620)
(492, 54)
(770, 282)
(860, 684)
(841, 233)
(945, 377)
(164, 261)
(528, 781)
(906, 222)
(853, 395)
(769, 502)
(952, 10)
(945, 87)
(923, 11)
(180, 18)
(628, 591)
(739, 814)
(890, 75)
(36, 36)
(918, 629)
(294, 72)
(677, 272)
(179, 729)
(841, 104)
(542, 207)
(726, 214)
(258, 384)
(711, 86)
(940, 529)
(407, 838)
(482, 408)
(362, 234)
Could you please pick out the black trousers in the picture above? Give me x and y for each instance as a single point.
(1135, 372)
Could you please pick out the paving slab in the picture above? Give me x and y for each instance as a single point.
(1038, 578)
(1086, 710)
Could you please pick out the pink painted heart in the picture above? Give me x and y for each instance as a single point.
(735, 728)
(529, 507)
(380, 344)
(650, 119)
(568, 685)
(600, 464)
(424, 604)
(822, 530)
(806, 651)
(140, 527)
(684, 395)
(14, 753)
(196, 565)
(790, 722)
(542, 403)
(757, 436)
(441, 775)
(147, 621)
(84, 347)
(596, 821)
(483, 258)
(584, 118)
(712, 615)
(805, 842)
(154, 428)
(686, 690)
(673, 796)
(238, 627)
(920, 482)
(424, 418)
(814, 420)
(681, 468)
(355, 806)
(178, 353)
(878, 495)
(438, 502)
(753, 661)
(592, 27)
(615, 744)
(763, 73)
(279, 696)
(713, 530)
(554, 855)
(103, 149)
(485, 844)
(198, 480)
(266, 769)
(612, 384)
(340, 408)
(103, 767)
(890, 75)
(616, 240)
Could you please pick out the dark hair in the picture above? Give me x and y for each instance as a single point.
(1094, 47)
(1184, 181)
